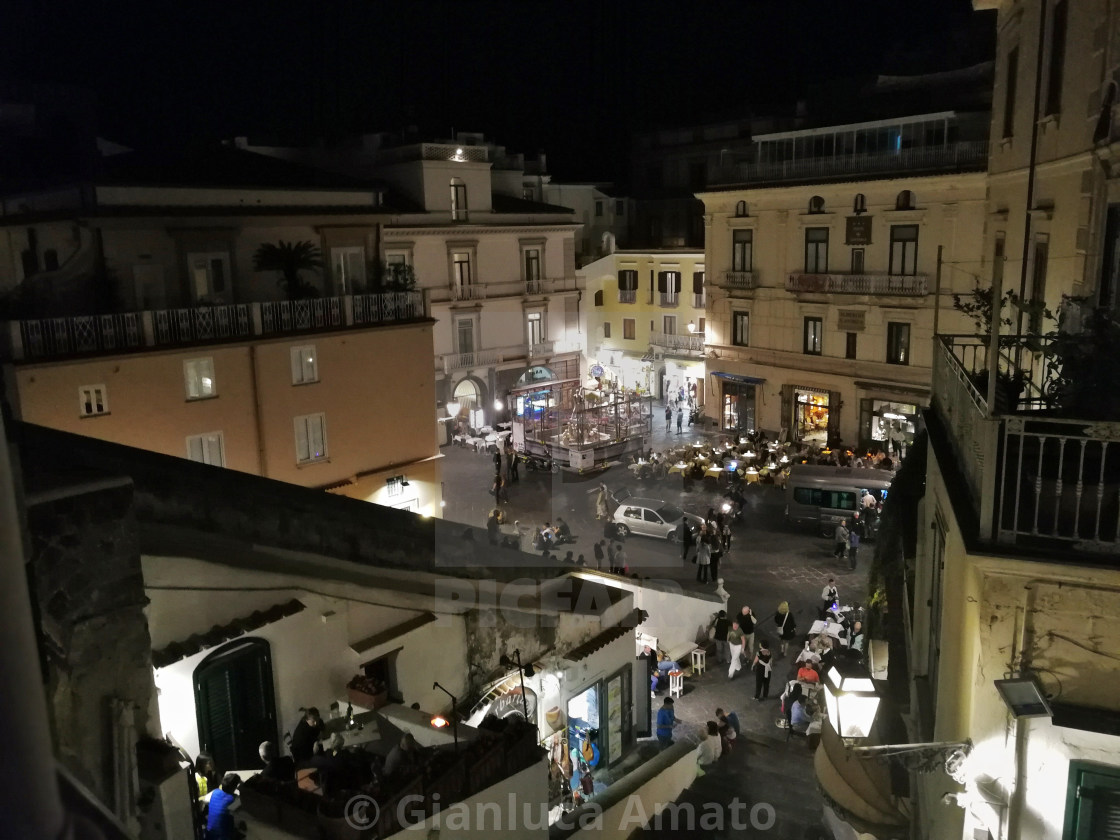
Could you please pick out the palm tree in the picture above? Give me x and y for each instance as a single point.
(290, 258)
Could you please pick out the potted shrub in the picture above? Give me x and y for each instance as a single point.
(367, 692)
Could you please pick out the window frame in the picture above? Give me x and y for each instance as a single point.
(742, 249)
(898, 343)
(820, 246)
(740, 328)
(1010, 92)
(906, 253)
(103, 391)
(812, 340)
(303, 424)
(1072, 828)
(344, 281)
(851, 340)
(606, 329)
(203, 442)
(629, 328)
(188, 365)
(459, 206)
(532, 260)
(299, 363)
(1055, 70)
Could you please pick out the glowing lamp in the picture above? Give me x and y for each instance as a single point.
(851, 699)
(439, 723)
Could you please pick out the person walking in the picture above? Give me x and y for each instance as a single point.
(787, 626)
(601, 503)
(610, 559)
(680, 419)
(855, 536)
(840, 538)
(719, 635)
(599, 555)
(829, 596)
(687, 540)
(763, 663)
(717, 553)
(703, 560)
(498, 488)
(622, 565)
(668, 417)
(735, 649)
(747, 624)
(511, 468)
(666, 720)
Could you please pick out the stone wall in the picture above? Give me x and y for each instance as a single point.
(89, 591)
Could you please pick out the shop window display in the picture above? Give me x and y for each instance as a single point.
(811, 416)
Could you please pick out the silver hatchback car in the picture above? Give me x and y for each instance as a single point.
(652, 518)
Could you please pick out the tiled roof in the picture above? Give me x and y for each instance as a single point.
(511, 204)
(395, 632)
(221, 633)
(601, 640)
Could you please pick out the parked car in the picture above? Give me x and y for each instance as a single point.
(650, 518)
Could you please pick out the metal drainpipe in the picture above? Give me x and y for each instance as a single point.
(1026, 646)
(29, 796)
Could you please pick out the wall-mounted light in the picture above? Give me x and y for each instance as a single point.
(1024, 697)
(453, 408)
(852, 702)
(692, 326)
(498, 406)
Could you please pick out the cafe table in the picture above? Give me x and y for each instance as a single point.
(364, 731)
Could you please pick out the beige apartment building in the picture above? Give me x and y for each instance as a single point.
(645, 314)
(192, 352)
(822, 256)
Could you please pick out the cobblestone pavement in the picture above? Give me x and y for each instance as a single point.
(768, 563)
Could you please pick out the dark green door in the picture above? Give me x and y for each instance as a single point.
(235, 704)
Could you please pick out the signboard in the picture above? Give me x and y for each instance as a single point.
(518, 436)
(511, 703)
(858, 231)
(850, 320)
(596, 371)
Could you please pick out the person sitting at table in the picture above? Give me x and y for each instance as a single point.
(800, 717)
(338, 769)
(279, 768)
(205, 776)
(307, 732)
(219, 820)
(808, 673)
(404, 759)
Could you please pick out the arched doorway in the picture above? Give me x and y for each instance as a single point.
(470, 393)
(235, 705)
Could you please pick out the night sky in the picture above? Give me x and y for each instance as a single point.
(571, 78)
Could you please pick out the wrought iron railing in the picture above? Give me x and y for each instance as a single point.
(46, 338)
(627, 296)
(1036, 478)
(468, 291)
(913, 285)
(187, 325)
(963, 155)
(541, 348)
(742, 280)
(670, 298)
(474, 358)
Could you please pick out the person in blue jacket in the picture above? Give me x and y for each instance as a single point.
(666, 720)
(219, 823)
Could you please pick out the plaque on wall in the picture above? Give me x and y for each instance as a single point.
(858, 230)
(850, 320)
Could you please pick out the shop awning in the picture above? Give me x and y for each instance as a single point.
(858, 789)
(737, 377)
(373, 646)
(220, 633)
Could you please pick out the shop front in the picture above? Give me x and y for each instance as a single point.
(888, 425)
(738, 401)
(682, 378)
(811, 414)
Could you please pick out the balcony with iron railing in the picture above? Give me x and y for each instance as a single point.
(911, 285)
(691, 344)
(87, 335)
(627, 296)
(669, 299)
(509, 288)
(434, 151)
(742, 281)
(698, 301)
(1037, 477)
(965, 155)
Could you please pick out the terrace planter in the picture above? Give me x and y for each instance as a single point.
(362, 691)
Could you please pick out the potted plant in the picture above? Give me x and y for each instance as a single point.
(367, 692)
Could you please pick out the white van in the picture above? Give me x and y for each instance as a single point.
(822, 496)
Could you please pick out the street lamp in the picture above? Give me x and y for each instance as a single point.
(852, 701)
(454, 715)
(453, 408)
(506, 662)
(691, 327)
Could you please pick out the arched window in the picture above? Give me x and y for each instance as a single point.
(905, 201)
(467, 394)
(458, 200)
(816, 204)
(599, 298)
(859, 205)
(741, 209)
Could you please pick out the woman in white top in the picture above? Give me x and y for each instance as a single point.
(711, 748)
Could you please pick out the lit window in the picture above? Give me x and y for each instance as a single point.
(898, 343)
(740, 328)
(199, 376)
(93, 400)
(311, 438)
(813, 329)
(305, 365)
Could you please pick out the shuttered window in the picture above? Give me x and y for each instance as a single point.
(235, 704)
(207, 449)
(311, 438)
(1092, 802)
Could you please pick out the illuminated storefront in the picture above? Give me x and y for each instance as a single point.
(738, 401)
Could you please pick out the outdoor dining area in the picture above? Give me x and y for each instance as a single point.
(434, 776)
(723, 464)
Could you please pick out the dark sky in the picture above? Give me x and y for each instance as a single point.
(572, 78)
